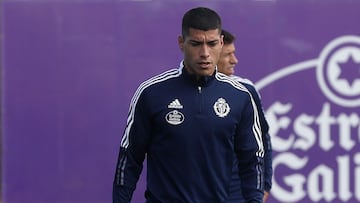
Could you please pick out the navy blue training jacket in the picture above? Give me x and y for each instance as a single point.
(189, 129)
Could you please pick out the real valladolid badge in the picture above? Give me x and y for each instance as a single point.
(221, 108)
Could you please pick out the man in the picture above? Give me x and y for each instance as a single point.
(188, 122)
(226, 65)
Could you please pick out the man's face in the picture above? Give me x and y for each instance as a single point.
(227, 59)
(201, 51)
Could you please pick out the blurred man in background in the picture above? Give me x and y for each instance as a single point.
(226, 65)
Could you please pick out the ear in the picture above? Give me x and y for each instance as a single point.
(181, 43)
(222, 40)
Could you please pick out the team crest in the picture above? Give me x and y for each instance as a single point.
(221, 108)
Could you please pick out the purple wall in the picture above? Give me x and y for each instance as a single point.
(70, 69)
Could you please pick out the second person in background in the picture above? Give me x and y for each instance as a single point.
(226, 65)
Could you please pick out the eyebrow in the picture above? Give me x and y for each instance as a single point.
(200, 41)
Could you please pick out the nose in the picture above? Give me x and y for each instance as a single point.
(204, 51)
(234, 60)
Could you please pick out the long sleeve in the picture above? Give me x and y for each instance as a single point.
(132, 151)
(247, 146)
(268, 171)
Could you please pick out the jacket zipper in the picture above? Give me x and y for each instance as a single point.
(200, 98)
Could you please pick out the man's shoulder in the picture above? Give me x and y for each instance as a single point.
(243, 80)
(234, 82)
(164, 76)
(153, 84)
(248, 84)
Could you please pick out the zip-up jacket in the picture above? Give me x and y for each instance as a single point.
(188, 129)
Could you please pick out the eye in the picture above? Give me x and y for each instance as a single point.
(194, 43)
(213, 43)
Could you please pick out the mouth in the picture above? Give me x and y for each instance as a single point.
(204, 64)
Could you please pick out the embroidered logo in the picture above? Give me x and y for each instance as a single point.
(174, 117)
(175, 105)
(221, 108)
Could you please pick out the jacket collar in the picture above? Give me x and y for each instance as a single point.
(202, 81)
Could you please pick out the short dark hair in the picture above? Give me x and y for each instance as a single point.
(200, 18)
(228, 37)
